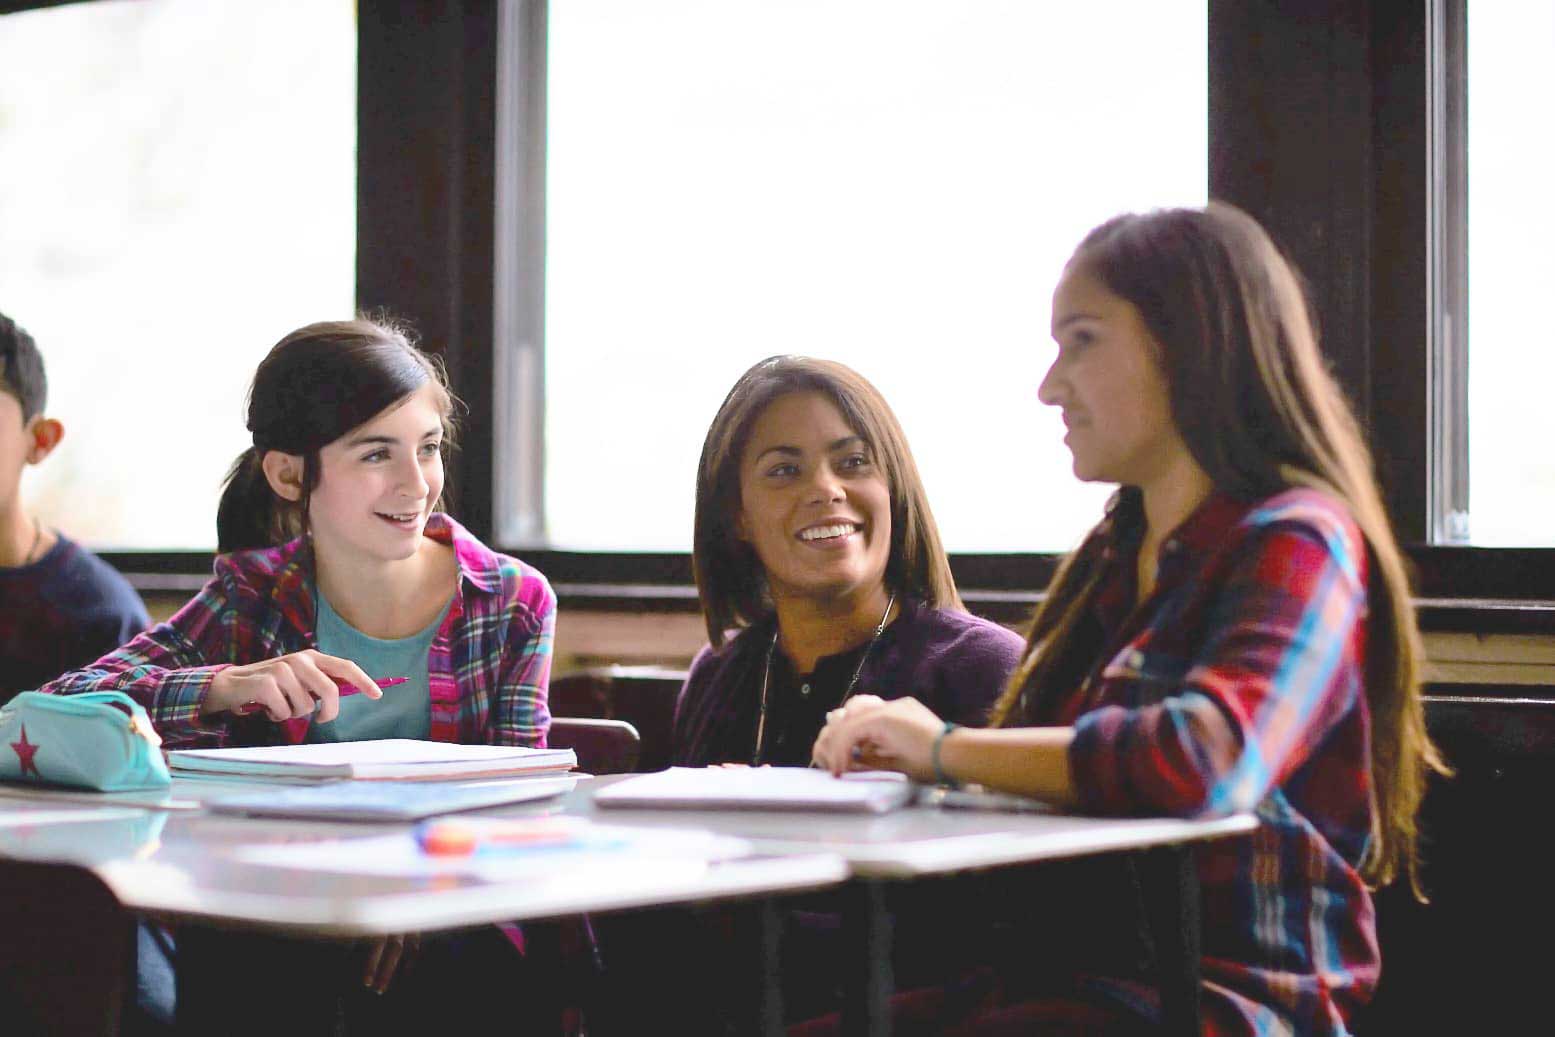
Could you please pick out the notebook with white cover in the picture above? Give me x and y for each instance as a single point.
(764, 788)
(390, 800)
(403, 759)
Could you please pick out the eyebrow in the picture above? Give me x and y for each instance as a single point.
(1070, 318)
(363, 440)
(793, 451)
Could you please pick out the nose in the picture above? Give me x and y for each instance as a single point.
(825, 485)
(1052, 389)
(413, 481)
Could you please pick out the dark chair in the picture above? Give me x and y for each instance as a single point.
(1469, 961)
(643, 696)
(602, 746)
(67, 951)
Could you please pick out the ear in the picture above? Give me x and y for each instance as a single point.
(284, 474)
(45, 434)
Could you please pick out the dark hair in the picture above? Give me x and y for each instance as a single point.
(730, 579)
(1260, 413)
(21, 368)
(314, 386)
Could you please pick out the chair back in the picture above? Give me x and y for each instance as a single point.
(602, 746)
(643, 696)
(1465, 962)
(50, 915)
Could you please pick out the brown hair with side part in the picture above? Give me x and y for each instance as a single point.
(1260, 413)
(730, 580)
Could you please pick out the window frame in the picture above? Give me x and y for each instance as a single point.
(1340, 126)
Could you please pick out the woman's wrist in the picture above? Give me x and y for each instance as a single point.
(936, 755)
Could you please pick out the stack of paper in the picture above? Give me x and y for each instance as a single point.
(391, 800)
(396, 759)
(764, 788)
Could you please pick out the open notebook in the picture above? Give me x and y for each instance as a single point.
(765, 788)
(398, 759)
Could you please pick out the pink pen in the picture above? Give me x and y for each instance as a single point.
(346, 688)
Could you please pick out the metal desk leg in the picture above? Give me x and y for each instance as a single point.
(868, 983)
(1170, 879)
(769, 997)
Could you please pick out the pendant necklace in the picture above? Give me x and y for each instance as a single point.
(766, 678)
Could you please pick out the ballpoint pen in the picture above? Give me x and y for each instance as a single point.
(346, 688)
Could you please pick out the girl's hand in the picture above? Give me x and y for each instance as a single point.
(289, 686)
(385, 956)
(866, 733)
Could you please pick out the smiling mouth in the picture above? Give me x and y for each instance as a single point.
(830, 531)
(403, 517)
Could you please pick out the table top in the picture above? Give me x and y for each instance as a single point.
(187, 863)
(921, 840)
(191, 864)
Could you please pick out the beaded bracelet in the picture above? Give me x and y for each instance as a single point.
(940, 777)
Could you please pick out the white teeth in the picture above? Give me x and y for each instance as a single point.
(826, 532)
(399, 518)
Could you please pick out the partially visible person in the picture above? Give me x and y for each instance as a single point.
(1235, 635)
(821, 573)
(60, 605)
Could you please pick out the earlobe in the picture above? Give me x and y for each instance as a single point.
(284, 474)
(46, 434)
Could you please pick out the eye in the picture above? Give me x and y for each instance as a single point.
(380, 454)
(854, 462)
(783, 470)
(1077, 340)
(431, 449)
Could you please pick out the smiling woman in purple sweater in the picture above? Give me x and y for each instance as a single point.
(820, 572)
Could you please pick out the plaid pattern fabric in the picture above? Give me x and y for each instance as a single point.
(489, 664)
(1239, 685)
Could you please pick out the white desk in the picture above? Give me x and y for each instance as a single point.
(184, 865)
(180, 864)
(921, 842)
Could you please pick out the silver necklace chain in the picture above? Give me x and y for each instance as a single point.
(766, 677)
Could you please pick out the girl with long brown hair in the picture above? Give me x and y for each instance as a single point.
(1235, 635)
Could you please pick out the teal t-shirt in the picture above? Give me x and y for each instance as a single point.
(405, 710)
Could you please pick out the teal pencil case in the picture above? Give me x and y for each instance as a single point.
(99, 740)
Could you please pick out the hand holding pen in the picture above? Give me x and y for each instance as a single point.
(297, 685)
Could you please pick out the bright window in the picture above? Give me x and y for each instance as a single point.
(1511, 228)
(894, 184)
(177, 191)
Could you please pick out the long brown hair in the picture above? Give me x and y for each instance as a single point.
(730, 578)
(1260, 413)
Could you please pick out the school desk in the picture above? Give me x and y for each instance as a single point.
(179, 864)
(190, 866)
(922, 842)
